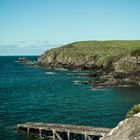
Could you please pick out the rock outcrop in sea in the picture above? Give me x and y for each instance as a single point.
(129, 129)
(117, 63)
(23, 60)
(27, 61)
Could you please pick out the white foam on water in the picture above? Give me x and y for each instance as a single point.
(50, 73)
(61, 69)
(76, 82)
(99, 89)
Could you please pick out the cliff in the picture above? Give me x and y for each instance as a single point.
(114, 58)
(129, 129)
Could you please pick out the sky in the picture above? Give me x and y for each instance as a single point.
(29, 27)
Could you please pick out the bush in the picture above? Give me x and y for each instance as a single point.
(134, 110)
(135, 53)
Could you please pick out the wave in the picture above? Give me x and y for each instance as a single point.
(61, 69)
(99, 89)
(77, 82)
(50, 73)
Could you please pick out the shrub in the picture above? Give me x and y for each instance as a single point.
(134, 110)
(135, 53)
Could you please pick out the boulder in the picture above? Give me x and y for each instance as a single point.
(129, 129)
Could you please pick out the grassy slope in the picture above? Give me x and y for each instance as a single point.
(100, 51)
(134, 110)
(102, 47)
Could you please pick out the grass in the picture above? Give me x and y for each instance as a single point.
(134, 110)
(99, 51)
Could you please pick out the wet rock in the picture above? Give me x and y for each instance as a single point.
(23, 59)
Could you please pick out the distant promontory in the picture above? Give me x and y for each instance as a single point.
(113, 63)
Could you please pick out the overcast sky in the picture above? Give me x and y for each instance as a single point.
(29, 27)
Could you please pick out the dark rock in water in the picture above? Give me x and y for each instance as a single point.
(23, 59)
(94, 75)
(27, 61)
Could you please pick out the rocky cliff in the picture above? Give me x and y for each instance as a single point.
(117, 59)
(129, 129)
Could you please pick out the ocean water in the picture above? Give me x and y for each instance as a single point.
(44, 95)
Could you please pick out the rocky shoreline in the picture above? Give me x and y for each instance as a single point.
(104, 77)
(102, 80)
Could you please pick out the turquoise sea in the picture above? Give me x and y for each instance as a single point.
(45, 95)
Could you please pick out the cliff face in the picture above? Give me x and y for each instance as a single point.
(89, 53)
(129, 129)
(64, 57)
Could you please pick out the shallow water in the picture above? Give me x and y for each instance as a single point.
(37, 94)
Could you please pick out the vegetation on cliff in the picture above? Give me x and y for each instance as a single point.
(134, 110)
(90, 53)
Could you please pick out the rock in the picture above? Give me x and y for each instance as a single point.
(127, 64)
(129, 129)
(23, 59)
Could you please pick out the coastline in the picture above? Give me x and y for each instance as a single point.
(112, 63)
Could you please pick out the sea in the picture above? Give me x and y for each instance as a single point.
(35, 94)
